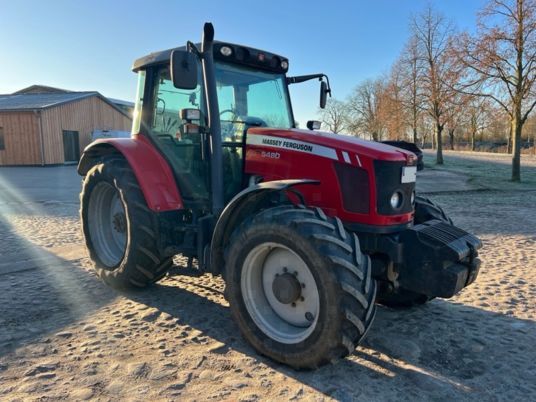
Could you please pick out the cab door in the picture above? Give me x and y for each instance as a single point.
(185, 152)
(232, 131)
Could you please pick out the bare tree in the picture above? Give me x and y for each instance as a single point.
(456, 114)
(363, 109)
(433, 35)
(391, 106)
(501, 58)
(411, 92)
(529, 129)
(478, 117)
(334, 116)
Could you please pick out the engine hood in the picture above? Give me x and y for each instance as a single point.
(370, 149)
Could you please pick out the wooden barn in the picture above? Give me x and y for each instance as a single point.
(48, 126)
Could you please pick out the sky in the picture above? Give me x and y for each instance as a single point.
(90, 45)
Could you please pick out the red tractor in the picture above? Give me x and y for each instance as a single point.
(308, 229)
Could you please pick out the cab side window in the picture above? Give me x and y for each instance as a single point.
(168, 101)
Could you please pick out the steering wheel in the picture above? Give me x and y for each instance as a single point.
(227, 111)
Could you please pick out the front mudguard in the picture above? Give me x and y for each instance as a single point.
(242, 206)
(439, 259)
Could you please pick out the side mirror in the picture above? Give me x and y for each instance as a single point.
(314, 125)
(190, 114)
(323, 94)
(184, 66)
(188, 127)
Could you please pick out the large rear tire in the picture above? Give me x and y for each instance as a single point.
(298, 286)
(119, 229)
(425, 210)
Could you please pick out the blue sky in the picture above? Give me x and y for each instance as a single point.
(90, 45)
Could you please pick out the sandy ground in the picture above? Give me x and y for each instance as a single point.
(65, 335)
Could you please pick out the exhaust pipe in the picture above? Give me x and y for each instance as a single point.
(209, 78)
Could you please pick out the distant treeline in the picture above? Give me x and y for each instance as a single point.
(453, 89)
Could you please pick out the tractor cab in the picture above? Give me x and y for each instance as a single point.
(251, 91)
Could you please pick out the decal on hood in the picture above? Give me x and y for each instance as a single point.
(294, 145)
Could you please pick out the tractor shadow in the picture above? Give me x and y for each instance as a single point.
(434, 352)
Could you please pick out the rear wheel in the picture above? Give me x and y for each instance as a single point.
(299, 287)
(119, 229)
(425, 210)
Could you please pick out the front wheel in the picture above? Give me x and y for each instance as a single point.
(120, 231)
(298, 286)
(426, 209)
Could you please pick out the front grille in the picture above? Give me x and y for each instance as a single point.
(388, 180)
(355, 188)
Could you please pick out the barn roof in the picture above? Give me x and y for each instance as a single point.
(41, 89)
(40, 101)
(37, 101)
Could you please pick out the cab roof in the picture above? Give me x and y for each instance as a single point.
(241, 55)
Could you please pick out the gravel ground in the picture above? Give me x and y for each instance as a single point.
(65, 335)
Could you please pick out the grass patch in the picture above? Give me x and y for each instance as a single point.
(485, 171)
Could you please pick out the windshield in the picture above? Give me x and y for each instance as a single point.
(253, 97)
(246, 97)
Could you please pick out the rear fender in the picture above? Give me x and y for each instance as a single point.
(242, 206)
(153, 173)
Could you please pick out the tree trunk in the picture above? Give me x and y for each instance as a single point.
(509, 146)
(415, 134)
(439, 141)
(451, 136)
(517, 127)
(473, 140)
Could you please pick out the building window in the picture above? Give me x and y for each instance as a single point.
(2, 143)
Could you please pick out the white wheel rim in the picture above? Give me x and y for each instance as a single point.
(287, 323)
(108, 225)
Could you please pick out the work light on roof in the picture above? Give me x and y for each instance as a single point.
(226, 51)
(284, 64)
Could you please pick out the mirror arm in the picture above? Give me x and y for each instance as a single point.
(193, 48)
(302, 78)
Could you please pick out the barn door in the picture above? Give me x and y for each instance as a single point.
(71, 146)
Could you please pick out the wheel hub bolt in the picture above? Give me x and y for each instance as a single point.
(309, 317)
(119, 223)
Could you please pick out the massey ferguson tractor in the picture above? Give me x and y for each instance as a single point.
(308, 229)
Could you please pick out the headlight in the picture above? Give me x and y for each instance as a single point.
(396, 200)
(413, 197)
